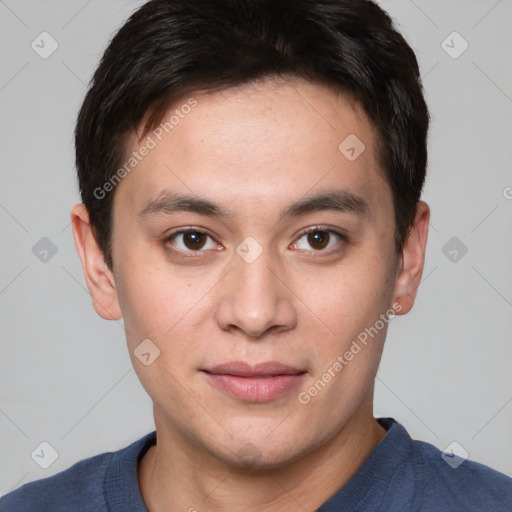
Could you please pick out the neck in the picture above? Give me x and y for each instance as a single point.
(176, 477)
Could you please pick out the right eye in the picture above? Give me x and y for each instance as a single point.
(191, 240)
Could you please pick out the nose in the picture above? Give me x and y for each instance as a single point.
(255, 300)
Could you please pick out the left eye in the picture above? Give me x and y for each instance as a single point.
(318, 240)
(192, 241)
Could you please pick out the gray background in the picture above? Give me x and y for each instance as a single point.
(65, 375)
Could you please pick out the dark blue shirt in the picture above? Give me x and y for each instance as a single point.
(399, 475)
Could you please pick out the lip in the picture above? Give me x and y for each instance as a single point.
(254, 383)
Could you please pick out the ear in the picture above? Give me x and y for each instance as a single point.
(412, 261)
(98, 276)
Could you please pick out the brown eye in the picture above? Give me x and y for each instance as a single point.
(194, 240)
(318, 239)
(191, 240)
(322, 240)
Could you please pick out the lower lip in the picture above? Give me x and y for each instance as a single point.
(255, 389)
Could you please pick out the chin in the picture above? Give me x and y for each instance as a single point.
(252, 457)
(263, 449)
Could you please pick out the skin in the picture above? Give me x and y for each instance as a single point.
(255, 149)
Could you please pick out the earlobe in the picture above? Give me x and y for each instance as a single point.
(412, 261)
(99, 278)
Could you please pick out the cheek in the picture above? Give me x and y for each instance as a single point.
(143, 289)
(352, 298)
(162, 303)
(153, 309)
(347, 359)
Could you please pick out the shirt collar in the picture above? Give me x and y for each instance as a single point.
(122, 489)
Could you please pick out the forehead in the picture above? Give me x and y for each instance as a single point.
(263, 142)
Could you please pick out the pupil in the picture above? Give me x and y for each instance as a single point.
(318, 239)
(194, 240)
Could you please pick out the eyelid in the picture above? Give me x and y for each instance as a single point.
(321, 227)
(182, 231)
(310, 229)
(328, 229)
(188, 229)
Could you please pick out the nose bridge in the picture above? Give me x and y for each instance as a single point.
(255, 282)
(255, 300)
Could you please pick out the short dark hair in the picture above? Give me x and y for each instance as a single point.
(170, 48)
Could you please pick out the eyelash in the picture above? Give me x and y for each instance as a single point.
(312, 229)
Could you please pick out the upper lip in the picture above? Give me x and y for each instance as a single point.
(243, 369)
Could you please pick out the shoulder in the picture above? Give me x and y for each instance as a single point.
(83, 487)
(449, 482)
(68, 490)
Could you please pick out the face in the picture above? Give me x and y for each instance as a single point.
(253, 251)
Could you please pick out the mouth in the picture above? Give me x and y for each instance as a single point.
(259, 383)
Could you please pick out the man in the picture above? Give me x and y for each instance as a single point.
(251, 173)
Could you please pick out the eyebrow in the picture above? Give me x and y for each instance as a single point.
(340, 201)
